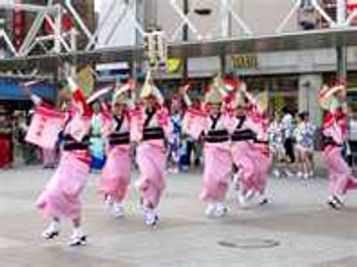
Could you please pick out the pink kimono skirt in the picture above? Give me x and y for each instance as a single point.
(243, 158)
(217, 173)
(115, 177)
(61, 196)
(341, 179)
(151, 160)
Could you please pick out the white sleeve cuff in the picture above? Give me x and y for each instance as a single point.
(72, 85)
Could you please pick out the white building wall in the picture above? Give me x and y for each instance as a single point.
(262, 17)
(110, 35)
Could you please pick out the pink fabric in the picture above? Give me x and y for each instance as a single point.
(340, 176)
(49, 157)
(151, 160)
(6, 156)
(78, 127)
(194, 123)
(45, 127)
(243, 157)
(161, 119)
(61, 196)
(263, 162)
(216, 175)
(115, 177)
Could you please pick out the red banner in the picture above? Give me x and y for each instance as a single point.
(18, 26)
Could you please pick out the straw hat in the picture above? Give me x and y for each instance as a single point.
(262, 101)
(214, 96)
(326, 97)
(239, 100)
(119, 95)
(148, 87)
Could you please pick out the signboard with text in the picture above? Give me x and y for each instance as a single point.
(245, 62)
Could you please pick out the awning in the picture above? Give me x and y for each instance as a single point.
(10, 90)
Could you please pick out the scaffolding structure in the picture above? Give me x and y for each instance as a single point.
(339, 34)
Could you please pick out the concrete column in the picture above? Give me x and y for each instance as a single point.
(341, 51)
(309, 86)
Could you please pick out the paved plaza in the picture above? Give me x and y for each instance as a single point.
(297, 229)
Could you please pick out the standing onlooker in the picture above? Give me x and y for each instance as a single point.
(352, 138)
(288, 129)
(6, 144)
(175, 142)
(304, 136)
(276, 142)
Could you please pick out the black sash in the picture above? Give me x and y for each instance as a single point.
(242, 135)
(261, 142)
(328, 141)
(71, 144)
(119, 138)
(154, 133)
(217, 136)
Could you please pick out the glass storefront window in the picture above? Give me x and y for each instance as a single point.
(282, 90)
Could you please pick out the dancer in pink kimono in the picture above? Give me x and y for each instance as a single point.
(333, 101)
(60, 200)
(212, 122)
(243, 150)
(115, 177)
(261, 152)
(150, 126)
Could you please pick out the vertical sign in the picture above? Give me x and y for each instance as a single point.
(18, 26)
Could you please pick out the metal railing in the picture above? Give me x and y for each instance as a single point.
(63, 41)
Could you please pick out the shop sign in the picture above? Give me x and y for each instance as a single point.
(174, 65)
(245, 62)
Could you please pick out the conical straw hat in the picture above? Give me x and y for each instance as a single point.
(214, 96)
(147, 89)
(262, 101)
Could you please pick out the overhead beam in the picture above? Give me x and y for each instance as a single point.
(29, 7)
(317, 39)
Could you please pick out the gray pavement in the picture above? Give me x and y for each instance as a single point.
(296, 229)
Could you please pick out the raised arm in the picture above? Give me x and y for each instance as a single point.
(36, 100)
(185, 96)
(249, 96)
(79, 98)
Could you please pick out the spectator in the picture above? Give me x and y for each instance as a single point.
(175, 142)
(276, 142)
(6, 144)
(352, 127)
(288, 130)
(304, 136)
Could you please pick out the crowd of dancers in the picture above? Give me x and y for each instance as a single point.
(231, 121)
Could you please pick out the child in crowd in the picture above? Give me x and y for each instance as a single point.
(276, 143)
(304, 136)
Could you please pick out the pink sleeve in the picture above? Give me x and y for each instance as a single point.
(164, 121)
(45, 127)
(79, 127)
(195, 122)
(136, 124)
